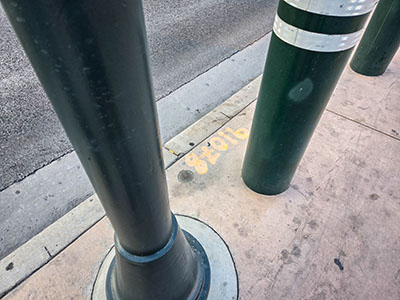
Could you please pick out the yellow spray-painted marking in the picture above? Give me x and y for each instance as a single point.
(241, 133)
(228, 138)
(200, 165)
(207, 152)
(219, 144)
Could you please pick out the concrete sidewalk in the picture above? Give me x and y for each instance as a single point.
(334, 234)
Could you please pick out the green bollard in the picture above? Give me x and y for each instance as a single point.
(310, 45)
(380, 41)
(91, 58)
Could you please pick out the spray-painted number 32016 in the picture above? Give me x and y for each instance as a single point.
(219, 144)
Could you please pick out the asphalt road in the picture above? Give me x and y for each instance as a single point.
(186, 38)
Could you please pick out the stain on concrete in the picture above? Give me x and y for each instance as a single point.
(358, 162)
(296, 220)
(374, 197)
(185, 176)
(338, 263)
(285, 256)
(387, 213)
(397, 276)
(334, 133)
(296, 251)
(313, 224)
(356, 222)
(249, 253)
(324, 291)
(10, 266)
(242, 231)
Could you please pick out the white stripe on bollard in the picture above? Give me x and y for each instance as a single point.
(340, 8)
(313, 41)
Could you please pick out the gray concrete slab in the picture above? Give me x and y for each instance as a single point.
(333, 235)
(29, 206)
(379, 108)
(25, 260)
(17, 267)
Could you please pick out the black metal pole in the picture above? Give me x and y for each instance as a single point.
(91, 58)
(380, 41)
(310, 45)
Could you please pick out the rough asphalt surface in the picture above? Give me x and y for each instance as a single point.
(186, 38)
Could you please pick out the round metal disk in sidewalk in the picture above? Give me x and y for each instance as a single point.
(224, 283)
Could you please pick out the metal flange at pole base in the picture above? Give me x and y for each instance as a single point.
(214, 259)
(310, 45)
(380, 41)
(157, 276)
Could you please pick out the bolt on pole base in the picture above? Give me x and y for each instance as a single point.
(216, 276)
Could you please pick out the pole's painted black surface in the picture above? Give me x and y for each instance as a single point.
(91, 58)
(290, 103)
(296, 86)
(380, 41)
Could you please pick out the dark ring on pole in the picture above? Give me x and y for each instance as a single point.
(320, 23)
(136, 275)
(139, 259)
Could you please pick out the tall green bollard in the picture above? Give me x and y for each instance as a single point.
(380, 41)
(310, 45)
(91, 58)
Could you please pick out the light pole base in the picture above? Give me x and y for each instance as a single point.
(220, 279)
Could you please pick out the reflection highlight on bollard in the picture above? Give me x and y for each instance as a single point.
(310, 45)
(92, 60)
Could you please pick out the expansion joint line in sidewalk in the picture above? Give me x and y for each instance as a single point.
(228, 116)
(172, 152)
(48, 252)
(364, 125)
